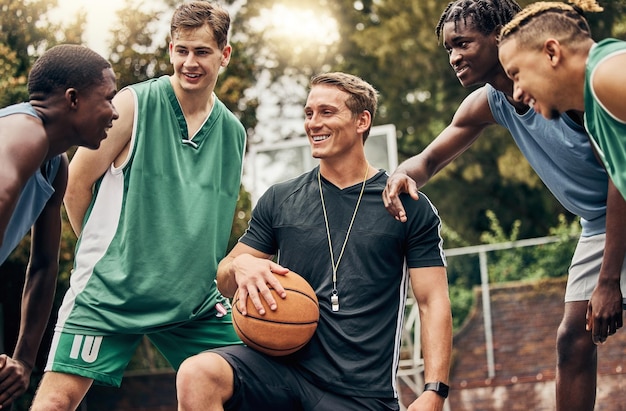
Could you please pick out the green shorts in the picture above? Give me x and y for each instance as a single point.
(104, 358)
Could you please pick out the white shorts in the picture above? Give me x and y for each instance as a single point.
(585, 269)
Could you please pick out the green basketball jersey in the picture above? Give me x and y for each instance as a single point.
(159, 224)
(608, 132)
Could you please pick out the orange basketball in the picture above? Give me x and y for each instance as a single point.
(286, 329)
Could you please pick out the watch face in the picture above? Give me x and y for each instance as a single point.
(443, 390)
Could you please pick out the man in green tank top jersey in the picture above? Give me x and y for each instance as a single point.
(556, 66)
(153, 209)
(577, 74)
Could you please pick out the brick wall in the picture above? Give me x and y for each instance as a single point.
(525, 317)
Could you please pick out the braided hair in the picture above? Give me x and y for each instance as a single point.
(484, 15)
(565, 22)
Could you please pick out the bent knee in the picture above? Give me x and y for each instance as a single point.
(206, 368)
(574, 343)
(60, 392)
(205, 379)
(51, 403)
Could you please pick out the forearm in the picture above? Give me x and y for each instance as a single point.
(417, 168)
(436, 340)
(37, 300)
(615, 246)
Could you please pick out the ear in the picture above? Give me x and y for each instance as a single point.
(363, 121)
(495, 34)
(226, 52)
(170, 49)
(552, 51)
(71, 96)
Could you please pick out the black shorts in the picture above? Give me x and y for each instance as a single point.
(264, 383)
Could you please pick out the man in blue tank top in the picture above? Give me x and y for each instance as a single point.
(70, 91)
(561, 154)
(153, 209)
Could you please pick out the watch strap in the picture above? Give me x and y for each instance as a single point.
(438, 387)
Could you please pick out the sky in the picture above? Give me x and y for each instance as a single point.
(100, 17)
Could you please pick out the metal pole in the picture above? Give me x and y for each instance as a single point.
(484, 278)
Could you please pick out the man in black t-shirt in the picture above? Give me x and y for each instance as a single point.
(330, 226)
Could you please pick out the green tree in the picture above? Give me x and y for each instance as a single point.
(544, 261)
(421, 93)
(516, 264)
(139, 48)
(25, 32)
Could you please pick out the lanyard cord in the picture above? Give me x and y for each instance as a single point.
(330, 244)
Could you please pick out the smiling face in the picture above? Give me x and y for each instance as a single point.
(472, 54)
(197, 59)
(333, 131)
(95, 111)
(534, 82)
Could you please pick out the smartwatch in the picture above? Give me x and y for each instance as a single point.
(440, 388)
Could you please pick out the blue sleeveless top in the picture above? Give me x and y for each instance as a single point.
(34, 196)
(560, 152)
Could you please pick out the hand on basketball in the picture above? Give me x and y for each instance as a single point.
(396, 184)
(14, 380)
(254, 277)
(604, 312)
(288, 328)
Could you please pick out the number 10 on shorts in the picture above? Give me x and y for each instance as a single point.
(90, 347)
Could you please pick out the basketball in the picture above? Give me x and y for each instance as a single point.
(286, 329)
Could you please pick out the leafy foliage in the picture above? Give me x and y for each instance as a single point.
(544, 261)
(25, 31)
(139, 49)
(514, 264)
